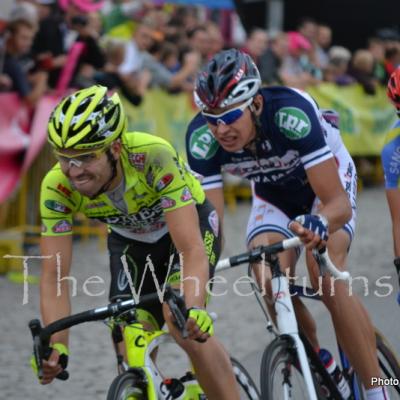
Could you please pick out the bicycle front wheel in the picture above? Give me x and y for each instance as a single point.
(389, 365)
(127, 386)
(248, 389)
(280, 376)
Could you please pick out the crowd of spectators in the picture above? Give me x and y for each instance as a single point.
(134, 45)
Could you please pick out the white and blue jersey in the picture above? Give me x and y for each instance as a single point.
(391, 157)
(294, 136)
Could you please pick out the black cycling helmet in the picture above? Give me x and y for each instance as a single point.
(230, 77)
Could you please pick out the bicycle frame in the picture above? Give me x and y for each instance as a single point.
(139, 345)
(287, 325)
(285, 316)
(309, 293)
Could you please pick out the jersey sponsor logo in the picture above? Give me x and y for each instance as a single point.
(266, 170)
(293, 122)
(164, 182)
(214, 222)
(57, 206)
(150, 177)
(62, 227)
(98, 204)
(209, 247)
(137, 160)
(147, 217)
(202, 144)
(167, 202)
(186, 195)
(61, 188)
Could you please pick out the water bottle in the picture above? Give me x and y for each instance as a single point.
(335, 372)
(175, 387)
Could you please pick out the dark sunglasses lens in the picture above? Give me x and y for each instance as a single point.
(227, 119)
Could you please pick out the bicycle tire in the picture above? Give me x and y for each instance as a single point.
(248, 388)
(281, 351)
(127, 386)
(388, 363)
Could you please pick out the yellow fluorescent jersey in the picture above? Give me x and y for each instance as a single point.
(156, 180)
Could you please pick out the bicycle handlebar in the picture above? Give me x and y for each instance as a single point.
(256, 254)
(41, 335)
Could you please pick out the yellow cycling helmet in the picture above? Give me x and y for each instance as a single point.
(88, 118)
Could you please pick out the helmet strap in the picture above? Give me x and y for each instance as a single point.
(114, 173)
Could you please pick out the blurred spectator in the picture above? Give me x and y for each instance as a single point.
(323, 43)
(142, 41)
(132, 88)
(24, 10)
(308, 27)
(362, 70)
(338, 62)
(392, 58)
(215, 38)
(48, 46)
(297, 70)
(256, 44)
(199, 42)
(272, 59)
(19, 38)
(377, 49)
(88, 27)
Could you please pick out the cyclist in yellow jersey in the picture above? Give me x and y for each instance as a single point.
(155, 209)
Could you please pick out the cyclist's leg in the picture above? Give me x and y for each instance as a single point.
(210, 360)
(268, 224)
(352, 324)
(135, 255)
(211, 364)
(351, 321)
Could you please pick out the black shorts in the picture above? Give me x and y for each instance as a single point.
(160, 253)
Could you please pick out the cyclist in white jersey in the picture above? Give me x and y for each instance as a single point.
(303, 181)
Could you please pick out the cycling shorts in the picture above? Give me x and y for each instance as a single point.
(162, 255)
(269, 216)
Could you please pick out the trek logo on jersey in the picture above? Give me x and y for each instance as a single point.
(62, 227)
(57, 206)
(137, 160)
(202, 144)
(164, 182)
(293, 122)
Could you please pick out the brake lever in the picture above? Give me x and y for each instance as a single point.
(178, 310)
(42, 351)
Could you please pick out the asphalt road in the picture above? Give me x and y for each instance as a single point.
(240, 325)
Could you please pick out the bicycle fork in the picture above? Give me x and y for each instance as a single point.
(287, 325)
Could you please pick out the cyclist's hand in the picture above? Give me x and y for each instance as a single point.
(311, 229)
(54, 365)
(199, 324)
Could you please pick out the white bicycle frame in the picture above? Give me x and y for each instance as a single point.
(285, 315)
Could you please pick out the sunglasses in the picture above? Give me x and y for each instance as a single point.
(227, 117)
(79, 160)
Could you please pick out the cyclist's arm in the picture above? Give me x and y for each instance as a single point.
(393, 199)
(183, 226)
(325, 182)
(54, 290)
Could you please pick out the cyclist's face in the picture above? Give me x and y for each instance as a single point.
(87, 171)
(233, 126)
